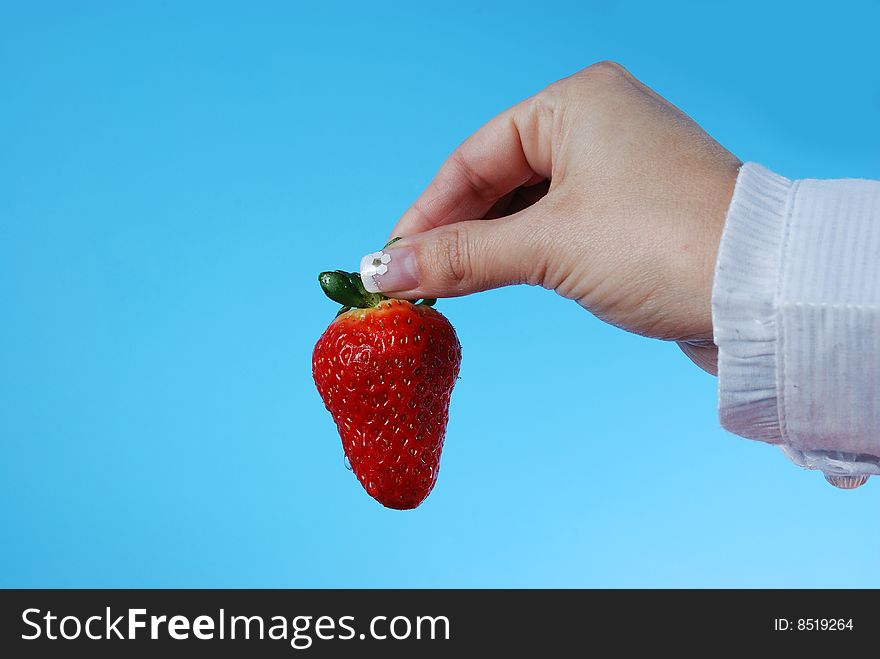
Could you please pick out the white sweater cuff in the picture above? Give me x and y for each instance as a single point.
(744, 313)
(796, 314)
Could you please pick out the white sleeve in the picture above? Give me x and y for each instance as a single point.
(796, 315)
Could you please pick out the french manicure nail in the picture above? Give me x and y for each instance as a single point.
(392, 269)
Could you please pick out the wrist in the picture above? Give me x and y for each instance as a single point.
(709, 213)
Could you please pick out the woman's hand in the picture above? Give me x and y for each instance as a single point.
(597, 188)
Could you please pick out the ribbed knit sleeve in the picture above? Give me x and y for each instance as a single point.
(796, 314)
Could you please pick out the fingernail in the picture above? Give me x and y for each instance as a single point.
(390, 270)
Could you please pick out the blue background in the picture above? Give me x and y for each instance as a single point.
(174, 175)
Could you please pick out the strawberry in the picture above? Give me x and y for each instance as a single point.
(385, 370)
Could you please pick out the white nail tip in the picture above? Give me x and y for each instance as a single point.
(372, 266)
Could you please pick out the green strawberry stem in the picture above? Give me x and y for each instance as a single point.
(347, 289)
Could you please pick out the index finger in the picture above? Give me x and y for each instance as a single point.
(507, 152)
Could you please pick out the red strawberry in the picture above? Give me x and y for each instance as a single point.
(385, 370)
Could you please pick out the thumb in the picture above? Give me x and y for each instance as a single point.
(458, 259)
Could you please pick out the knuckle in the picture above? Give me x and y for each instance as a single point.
(606, 72)
(478, 184)
(543, 107)
(451, 256)
(538, 121)
(608, 69)
(546, 100)
(536, 270)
